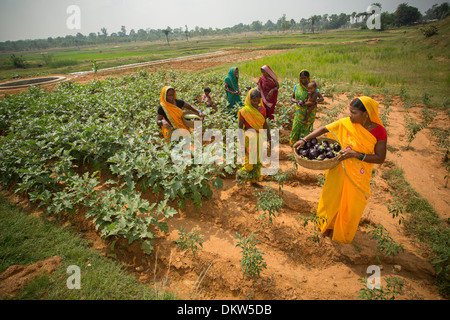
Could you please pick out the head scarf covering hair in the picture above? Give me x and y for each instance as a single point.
(270, 72)
(173, 113)
(372, 109)
(251, 115)
(231, 79)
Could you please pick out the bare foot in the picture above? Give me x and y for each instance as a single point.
(325, 234)
(256, 185)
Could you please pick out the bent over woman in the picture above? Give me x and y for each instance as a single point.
(363, 139)
(170, 112)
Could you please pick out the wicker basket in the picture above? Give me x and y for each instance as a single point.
(317, 164)
(189, 123)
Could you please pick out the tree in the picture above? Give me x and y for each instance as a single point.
(280, 22)
(104, 32)
(388, 20)
(286, 25)
(269, 26)
(186, 32)
(407, 15)
(313, 20)
(166, 32)
(256, 26)
(303, 23)
(133, 35)
(438, 12)
(122, 32)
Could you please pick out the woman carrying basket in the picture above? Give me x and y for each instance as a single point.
(363, 139)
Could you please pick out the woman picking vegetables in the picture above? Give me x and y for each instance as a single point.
(170, 112)
(347, 186)
(252, 116)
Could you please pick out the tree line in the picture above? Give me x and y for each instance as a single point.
(402, 16)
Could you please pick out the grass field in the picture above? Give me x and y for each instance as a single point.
(401, 62)
(26, 239)
(394, 61)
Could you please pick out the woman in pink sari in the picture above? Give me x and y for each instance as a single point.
(268, 86)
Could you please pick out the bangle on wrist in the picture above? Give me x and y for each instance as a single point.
(362, 156)
(303, 139)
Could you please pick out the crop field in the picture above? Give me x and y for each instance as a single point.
(90, 154)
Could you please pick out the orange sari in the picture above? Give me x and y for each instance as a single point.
(173, 113)
(256, 119)
(347, 186)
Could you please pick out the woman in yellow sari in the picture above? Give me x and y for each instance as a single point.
(347, 186)
(170, 112)
(252, 116)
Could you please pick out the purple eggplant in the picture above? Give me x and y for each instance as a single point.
(336, 147)
(313, 153)
(330, 155)
(305, 153)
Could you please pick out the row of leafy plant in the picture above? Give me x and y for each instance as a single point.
(58, 146)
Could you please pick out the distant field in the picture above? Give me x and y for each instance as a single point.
(393, 60)
(66, 60)
(401, 62)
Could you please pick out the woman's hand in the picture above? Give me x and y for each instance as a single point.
(347, 153)
(201, 115)
(298, 144)
(166, 124)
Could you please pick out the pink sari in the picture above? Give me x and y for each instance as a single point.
(265, 84)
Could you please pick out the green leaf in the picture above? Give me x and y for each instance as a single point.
(147, 246)
(217, 183)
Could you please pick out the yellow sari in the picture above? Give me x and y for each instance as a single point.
(173, 113)
(347, 186)
(256, 120)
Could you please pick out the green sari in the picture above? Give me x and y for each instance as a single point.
(300, 129)
(232, 82)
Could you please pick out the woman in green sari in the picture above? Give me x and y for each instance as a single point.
(300, 127)
(232, 89)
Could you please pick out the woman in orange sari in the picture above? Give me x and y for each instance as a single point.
(347, 186)
(170, 112)
(252, 119)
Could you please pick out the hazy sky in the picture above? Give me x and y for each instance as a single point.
(40, 19)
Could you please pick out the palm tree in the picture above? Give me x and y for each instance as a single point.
(313, 20)
(166, 32)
